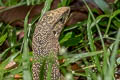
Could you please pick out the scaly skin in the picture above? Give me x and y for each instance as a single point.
(45, 41)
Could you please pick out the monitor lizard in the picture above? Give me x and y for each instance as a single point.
(45, 40)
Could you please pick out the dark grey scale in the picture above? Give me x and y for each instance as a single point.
(51, 20)
(39, 40)
(43, 23)
(46, 70)
(36, 54)
(42, 51)
(36, 37)
(37, 30)
(36, 68)
(56, 74)
(47, 24)
(39, 52)
(44, 18)
(45, 31)
(56, 70)
(34, 46)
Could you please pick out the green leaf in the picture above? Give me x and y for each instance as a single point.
(64, 3)
(118, 61)
(103, 6)
(3, 38)
(71, 42)
(115, 13)
(66, 37)
(116, 23)
(25, 56)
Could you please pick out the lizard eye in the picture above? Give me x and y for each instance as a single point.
(62, 19)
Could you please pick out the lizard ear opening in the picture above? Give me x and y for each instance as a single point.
(54, 32)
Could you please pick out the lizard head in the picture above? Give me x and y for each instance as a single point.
(61, 14)
(52, 17)
(58, 19)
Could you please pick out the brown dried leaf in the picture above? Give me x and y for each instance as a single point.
(11, 65)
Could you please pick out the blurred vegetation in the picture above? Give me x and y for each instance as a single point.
(92, 44)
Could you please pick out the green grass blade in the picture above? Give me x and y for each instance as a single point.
(25, 56)
(3, 38)
(42, 69)
(96, 26)
(4, 53)
(46, 7)
(115, 13)
(91, 43)
(98, 19)
(28, 2)
(106, 55)
(64, 3)
(76, 57)
(111, 70)
(50, 61)
(5, 9)
(78, 24)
